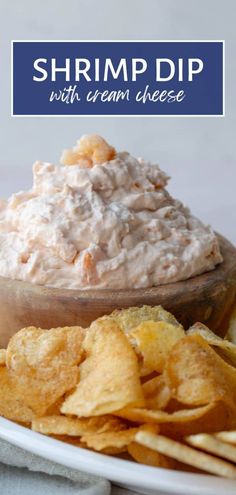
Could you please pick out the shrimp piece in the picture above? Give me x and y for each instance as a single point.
(90, 150)
(89, 269)
(71, 157)
(96, 148)
(88, 262)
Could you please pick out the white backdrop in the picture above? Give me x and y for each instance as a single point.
(199, 153)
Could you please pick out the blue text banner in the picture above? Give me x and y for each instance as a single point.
(119, 78)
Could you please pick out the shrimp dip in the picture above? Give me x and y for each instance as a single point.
(101, 219)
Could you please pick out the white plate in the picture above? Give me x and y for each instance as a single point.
(148, 480)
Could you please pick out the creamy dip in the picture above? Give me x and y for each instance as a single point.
(101, 220)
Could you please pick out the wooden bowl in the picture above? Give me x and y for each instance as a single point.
(207, 298)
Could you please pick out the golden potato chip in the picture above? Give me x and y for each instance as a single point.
(150, 416)
(12, 404)
(185, 454)
(116, 439)
(196, 375)
(130, 318)
(227, 436)
(156, 393)
(113, 451)
(55, 409)
(109, 378)
(225, 348)
(201, 329)
(154, 341)
(44, 364)
(106, 379)
(215, 418)
(3, 353)
(149, 457)
(231, 332)
(33, 348)
(62, 425)
(213, 445)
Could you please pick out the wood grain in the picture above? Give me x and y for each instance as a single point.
(207, 298)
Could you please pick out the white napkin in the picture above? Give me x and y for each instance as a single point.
(39, 476)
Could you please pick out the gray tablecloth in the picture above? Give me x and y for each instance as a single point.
(38, 476)
(22, 473)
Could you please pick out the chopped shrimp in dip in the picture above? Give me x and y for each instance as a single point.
(101, 219)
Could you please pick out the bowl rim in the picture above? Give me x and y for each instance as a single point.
(226, 269)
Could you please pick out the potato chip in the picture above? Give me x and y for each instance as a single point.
(109, 378)
(231, 332)
(116, 439)
(55, 409)
(113, 451)
(124, 385)
(154, 341)
(213, 445)
(185, 454)
(196, 375)
(225, 348)
(3, 353)
(149, 457)
(215, 418)
(44, 364)
(227, 436)
(150, 416)
(130, 318)
(62, 425)
(156, 393)
(12, 404)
